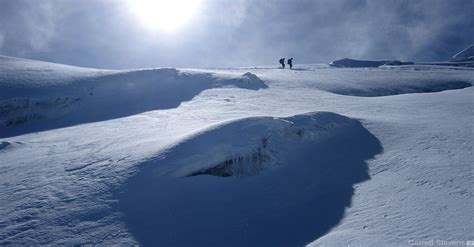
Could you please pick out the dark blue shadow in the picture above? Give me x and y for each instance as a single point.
(109, 97)
(289, 206)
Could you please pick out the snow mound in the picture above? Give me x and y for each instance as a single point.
(247, 80)
(31, 91)
(386, 81)
(376, 89)
(8, 145)
(250, 80)
(465, 55)
(4, 145)
(352, 63)
(262, 181)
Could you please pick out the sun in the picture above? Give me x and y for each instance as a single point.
(164, 15)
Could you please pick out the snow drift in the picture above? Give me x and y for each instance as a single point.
(386, 81)
(464, 58)
(4, 145)
(73, 95)
(368, 87)
(352, 63)
(259, 181)
(136, 180)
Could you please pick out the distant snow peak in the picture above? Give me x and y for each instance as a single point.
(4, 145)
(353, 63)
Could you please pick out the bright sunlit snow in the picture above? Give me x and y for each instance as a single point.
(261, 156)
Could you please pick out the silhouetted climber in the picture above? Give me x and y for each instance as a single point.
(282, 62)
(290, 62)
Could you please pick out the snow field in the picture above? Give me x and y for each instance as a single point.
(163, 156)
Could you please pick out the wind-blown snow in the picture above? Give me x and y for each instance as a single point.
(353, 63)
(312, 162)
(374, 82)
(225, 165)
(77, 95)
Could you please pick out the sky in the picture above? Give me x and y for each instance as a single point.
(112, 34)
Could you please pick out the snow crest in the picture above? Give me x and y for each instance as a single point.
(353, 63)
(4, 145)
(78, 95)
(262, 181)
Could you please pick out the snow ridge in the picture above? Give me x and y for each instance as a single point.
(353, 63)
(292, 188)
(94, 95)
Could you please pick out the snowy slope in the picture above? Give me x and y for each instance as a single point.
(353, 63)
(71, 95)
(373, 82)
(300, 161)
(296, 171)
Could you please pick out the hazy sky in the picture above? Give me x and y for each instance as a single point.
(107, 34)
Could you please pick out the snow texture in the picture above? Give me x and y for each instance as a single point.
(310, 163)
(257, 156)
(352, 63)
(89, 95)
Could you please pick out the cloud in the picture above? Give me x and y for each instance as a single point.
(104, 34)
(27, 26)
(1, 41)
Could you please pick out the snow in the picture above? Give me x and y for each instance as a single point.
(88, 95)
(464, 58)
(352, 63)
(311, 166)
(240, 156)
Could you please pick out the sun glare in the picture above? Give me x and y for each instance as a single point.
(164, 15)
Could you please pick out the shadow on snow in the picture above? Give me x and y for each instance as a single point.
(109, 97)
(291, 204)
